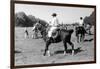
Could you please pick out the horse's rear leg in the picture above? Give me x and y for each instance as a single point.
(65, 46)
(77, 38)
(72, 47)
(82, 38)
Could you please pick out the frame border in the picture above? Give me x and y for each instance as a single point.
(12, 25)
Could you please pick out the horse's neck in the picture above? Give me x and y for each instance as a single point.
(42, 30)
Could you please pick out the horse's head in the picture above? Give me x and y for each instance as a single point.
(36, 26)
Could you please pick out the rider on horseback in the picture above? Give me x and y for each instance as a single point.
(54, 23)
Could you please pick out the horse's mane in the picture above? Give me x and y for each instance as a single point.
(42, 28)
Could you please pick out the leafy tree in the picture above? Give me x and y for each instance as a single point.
(22, 20)
(90, 19)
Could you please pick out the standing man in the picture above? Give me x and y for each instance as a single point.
(81, 22)
(26, 33)
(53, 23)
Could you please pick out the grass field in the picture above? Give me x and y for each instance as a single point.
(30, 51)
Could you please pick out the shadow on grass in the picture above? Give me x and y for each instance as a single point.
(88, 40)
(69, 51)
(16, 51)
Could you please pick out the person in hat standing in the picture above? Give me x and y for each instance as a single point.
(53, 23)
(81, 22)
(26, 33)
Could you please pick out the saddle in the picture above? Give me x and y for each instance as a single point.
(54, 33)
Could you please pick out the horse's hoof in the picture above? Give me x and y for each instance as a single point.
(48, 52)
(64, 53)
(49, 55)
(44, 54)
(72, 53)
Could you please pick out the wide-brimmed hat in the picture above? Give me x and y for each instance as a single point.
(81, 17)
(54, 14)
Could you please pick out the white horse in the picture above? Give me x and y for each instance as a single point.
(35, 31)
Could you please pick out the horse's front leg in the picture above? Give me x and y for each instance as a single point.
(65, 46)
(47, 49)
(36, 35)
(72, 47)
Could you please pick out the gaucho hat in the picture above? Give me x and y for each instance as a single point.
(81, 18)
(54, 14)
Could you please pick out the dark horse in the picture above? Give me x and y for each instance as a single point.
(63, 35)
(80, 33)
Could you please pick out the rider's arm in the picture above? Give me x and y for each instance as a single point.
(57, 22)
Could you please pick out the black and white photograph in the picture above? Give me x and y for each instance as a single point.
(53, 34)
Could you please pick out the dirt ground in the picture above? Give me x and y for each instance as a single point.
(30, 51)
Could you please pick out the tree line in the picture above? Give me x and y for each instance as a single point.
(23, 20)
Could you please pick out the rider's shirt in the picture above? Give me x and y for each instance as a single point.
(80, 22)
(54, 21)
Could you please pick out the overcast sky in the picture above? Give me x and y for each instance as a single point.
(65, 14)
